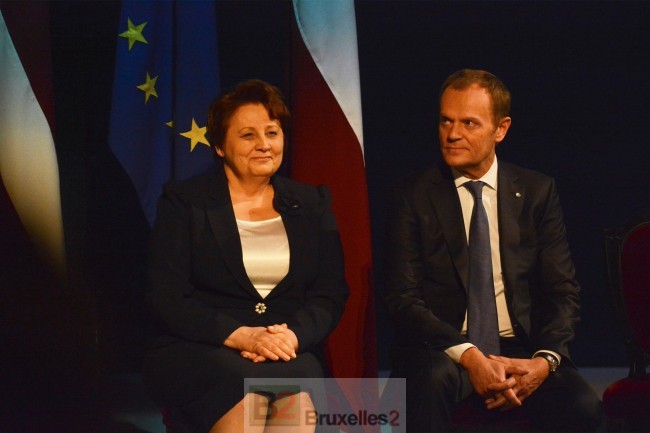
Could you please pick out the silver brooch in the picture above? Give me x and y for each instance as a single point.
(260, 308)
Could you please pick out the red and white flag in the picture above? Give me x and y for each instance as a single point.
(327, 130)
(28, 164)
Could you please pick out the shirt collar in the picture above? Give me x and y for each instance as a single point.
(490, 178)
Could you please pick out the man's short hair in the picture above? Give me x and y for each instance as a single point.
(499, 93)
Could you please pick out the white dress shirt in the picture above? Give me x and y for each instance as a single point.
(489, 198)
(490, 203)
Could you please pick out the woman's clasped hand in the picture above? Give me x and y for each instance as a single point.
(274, 343)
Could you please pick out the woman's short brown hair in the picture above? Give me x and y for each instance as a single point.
(246, 92)
(499, 93)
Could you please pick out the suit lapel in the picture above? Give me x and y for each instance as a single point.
(295, 235)
(221, 218)
(290, 208)
(443, 193)
(511, 199)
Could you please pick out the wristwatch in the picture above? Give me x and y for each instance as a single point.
(553, 363)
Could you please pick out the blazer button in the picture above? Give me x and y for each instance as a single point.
(260, 308)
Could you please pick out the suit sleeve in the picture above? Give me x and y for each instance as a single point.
(406, 279)
(170, 291)
(558, 299)
(327, 292)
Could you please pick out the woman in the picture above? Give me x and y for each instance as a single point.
(246, 269)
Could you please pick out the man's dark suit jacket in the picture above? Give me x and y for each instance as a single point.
(199, 287)
(427, 261)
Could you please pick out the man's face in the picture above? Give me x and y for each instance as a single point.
(468, 135)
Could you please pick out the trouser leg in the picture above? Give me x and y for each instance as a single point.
(565, 402)
(434, 384)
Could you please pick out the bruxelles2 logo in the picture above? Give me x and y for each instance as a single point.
(360, 418)
(284, 408)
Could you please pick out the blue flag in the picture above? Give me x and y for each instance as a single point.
(166, 75)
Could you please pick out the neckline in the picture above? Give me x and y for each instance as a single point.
(260, 222)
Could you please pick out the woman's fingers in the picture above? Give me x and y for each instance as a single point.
(252, 356)
(274, 346)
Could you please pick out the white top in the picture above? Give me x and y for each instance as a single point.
(265, 249)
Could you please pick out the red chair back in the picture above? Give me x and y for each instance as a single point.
(628, 261)
(635, 283)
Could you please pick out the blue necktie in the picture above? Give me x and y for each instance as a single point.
(482, 321)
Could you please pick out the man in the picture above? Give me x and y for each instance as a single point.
(483, 295)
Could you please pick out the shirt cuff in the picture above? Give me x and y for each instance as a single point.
(556, 355)
(455, 352)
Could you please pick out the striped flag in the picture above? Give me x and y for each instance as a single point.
(166, 75)
(328, 136)
(28, 163)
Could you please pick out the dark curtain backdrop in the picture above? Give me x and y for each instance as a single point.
(578, 72)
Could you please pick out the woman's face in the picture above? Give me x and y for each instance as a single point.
(253, 144)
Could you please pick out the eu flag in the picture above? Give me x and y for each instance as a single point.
(166, 74)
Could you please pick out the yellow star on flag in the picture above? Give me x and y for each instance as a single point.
(134, 33)
(149, 87)
(196, 135)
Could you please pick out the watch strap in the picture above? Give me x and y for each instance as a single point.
(553, 362)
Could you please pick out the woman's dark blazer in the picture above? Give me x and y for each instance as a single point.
(199, 289)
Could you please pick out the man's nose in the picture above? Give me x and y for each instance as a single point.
(453, 132)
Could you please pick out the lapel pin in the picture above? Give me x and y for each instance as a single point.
(518, 194)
